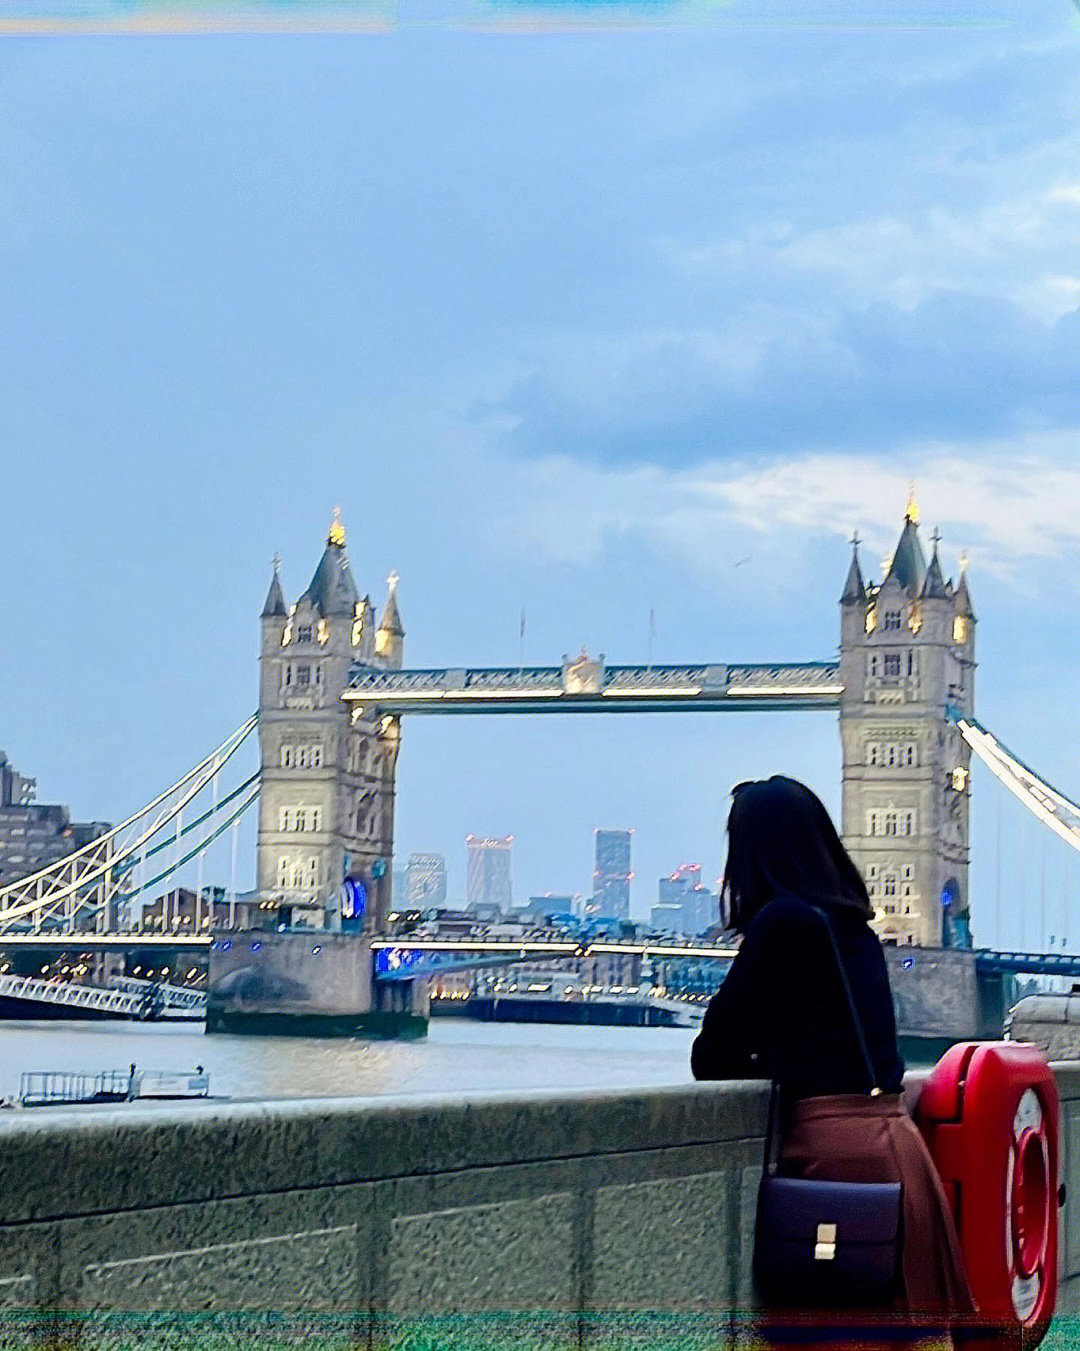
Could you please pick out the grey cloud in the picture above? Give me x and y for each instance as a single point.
(956, 366)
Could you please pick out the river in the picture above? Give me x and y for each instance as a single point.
(457, 1056)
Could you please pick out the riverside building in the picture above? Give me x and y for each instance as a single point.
(35, 834)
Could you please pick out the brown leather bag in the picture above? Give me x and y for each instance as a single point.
(832, 1244)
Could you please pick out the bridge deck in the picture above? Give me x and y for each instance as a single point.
(597, 689)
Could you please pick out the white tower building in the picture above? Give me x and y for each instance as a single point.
(907, 651)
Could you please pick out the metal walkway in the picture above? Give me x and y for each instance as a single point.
(586, 686)
(119, 1002)
(171, 996)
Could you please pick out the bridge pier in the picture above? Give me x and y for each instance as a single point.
(942, 997)
(306, 983)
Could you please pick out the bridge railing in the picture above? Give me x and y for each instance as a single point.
(70, 994)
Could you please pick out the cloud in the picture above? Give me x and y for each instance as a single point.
(1010, 248)
(1008, 504)
(956, 366)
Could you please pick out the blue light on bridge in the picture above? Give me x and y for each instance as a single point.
(354, 895)
(395, 959)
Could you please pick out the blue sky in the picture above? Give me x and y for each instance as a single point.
(572, 309)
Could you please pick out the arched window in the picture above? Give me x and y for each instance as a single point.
(301, 818)
(283, 870)
(313, 872)
(297, 877)
(891, 755)
(315, 756)
(285, 818)
(909, 753)
(286, 757)
(316, 818)
(873, 754)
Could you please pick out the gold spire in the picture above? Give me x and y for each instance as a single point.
(336, 533)
(911, 513)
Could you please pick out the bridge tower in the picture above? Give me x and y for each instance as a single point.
(326, 806)
(907, 650)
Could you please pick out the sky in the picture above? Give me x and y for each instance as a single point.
(576, 310)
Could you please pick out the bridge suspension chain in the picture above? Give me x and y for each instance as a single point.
(89, 879)
(1044, 801)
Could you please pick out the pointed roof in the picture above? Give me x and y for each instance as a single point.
(391, 619)
(332, 590)
(854, 587)
(908, 561)
(963, 596)
(275, 597)
(933, 587)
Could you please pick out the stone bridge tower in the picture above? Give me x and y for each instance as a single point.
(326, 806)
(907, 650)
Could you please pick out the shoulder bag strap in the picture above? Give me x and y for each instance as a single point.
(771, 1130)
(860, 1035)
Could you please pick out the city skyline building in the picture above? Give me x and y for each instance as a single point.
(488, 871)
(35, 834)
(612, 874)
(684, 904)
(425, 881)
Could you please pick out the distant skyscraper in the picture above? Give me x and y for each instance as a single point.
(612, 875)
(399, 889)
(426, 881)
(685, 906)
(487, 876)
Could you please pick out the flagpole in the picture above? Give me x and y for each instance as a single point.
(521, 644)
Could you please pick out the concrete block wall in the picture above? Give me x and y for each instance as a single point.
(594, 1220)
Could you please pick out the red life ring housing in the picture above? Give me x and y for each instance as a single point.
(990, 1116)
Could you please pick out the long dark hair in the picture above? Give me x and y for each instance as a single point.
(782, 842)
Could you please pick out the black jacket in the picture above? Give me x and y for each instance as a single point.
(782, 1009)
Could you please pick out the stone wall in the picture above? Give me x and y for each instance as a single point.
(602, 1220)
(939, 992)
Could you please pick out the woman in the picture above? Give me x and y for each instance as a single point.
(783, 1012)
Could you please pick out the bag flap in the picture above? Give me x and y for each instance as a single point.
(863, 1212)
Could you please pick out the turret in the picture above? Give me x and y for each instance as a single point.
(390, 637)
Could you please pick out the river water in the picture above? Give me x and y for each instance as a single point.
(457, 1056)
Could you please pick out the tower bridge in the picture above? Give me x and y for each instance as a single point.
(333, 690)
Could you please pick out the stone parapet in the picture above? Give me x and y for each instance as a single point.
(601, 1219)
